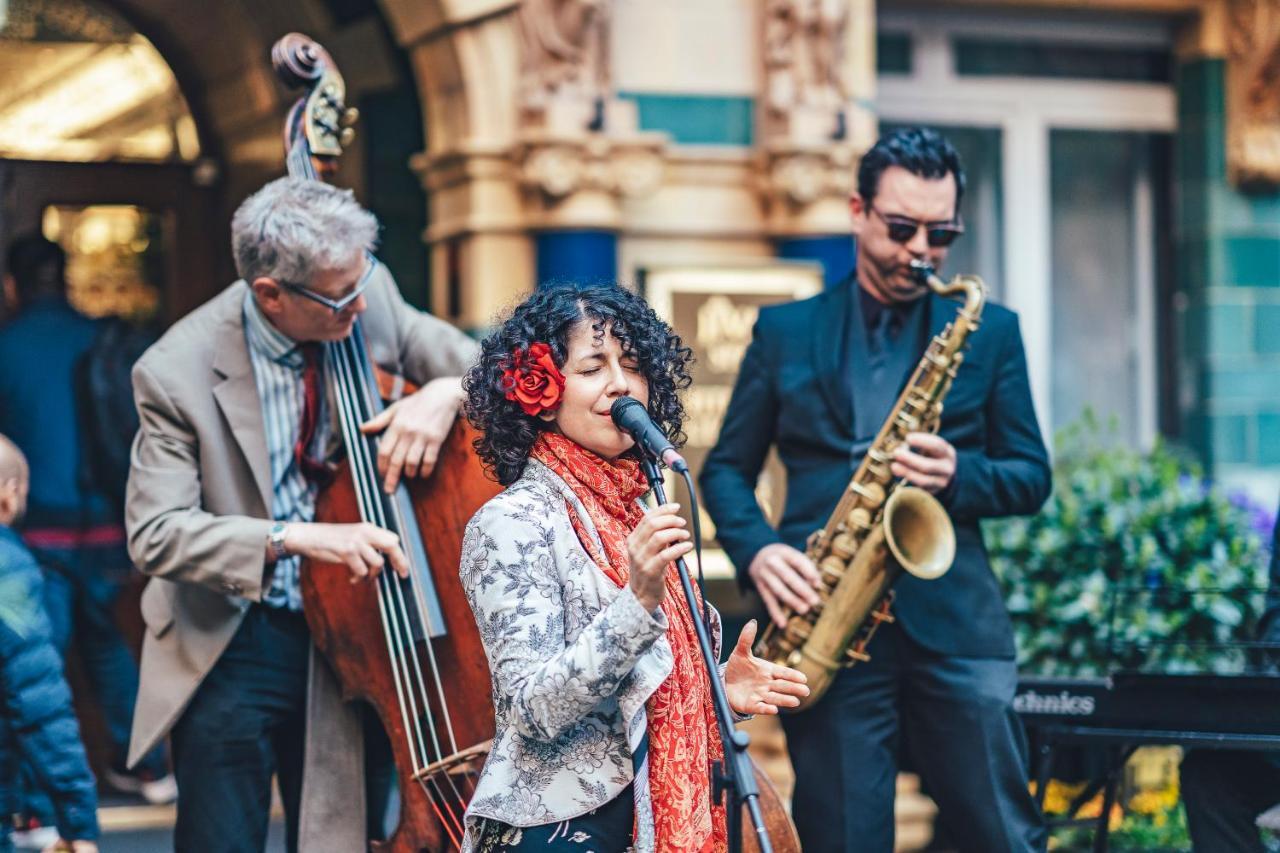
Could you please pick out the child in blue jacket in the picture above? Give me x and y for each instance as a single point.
(36, 719)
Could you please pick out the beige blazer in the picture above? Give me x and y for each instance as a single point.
(198, 514)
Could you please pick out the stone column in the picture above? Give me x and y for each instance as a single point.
(528, 154)
(815, 120)
(578, 148)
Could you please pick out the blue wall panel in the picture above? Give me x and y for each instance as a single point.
(577, 257)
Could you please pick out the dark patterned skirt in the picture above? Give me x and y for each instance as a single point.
(604, 830)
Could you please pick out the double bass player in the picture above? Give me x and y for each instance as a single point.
(227, 463)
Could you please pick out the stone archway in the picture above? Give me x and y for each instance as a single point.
(465, 56)
(220, 53)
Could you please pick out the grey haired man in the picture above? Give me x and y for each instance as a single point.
(221, 510)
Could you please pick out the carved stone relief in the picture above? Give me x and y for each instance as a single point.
(564, 73)
(806, 189)
(576, 139)
(804, 60)
(556, 168)
(809, 120)
(1253, 92)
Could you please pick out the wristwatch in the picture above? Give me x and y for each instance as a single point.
(275, 540)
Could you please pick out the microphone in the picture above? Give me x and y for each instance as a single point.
(629, 415)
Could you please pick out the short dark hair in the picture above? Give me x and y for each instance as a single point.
(550, 315)
(919, 150)
(38, 266)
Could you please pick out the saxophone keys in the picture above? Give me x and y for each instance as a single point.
(832, 565)
(873, 493)
(859, 518)
(797, 632)
(879, 455)
(856, 656)
(882, 615)
(844, 545)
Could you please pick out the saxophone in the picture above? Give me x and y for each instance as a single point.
(880, 527)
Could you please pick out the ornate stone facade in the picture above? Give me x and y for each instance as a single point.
(564, 67)
(812, 125)
(806, 91)
(1253, 92)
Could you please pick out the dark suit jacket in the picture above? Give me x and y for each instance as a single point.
(1269, 626)
(792, 392)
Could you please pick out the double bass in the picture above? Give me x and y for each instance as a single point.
(408, 647)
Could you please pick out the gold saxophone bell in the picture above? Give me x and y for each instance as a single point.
(919, 533)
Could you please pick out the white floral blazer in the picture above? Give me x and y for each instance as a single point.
(573, 659)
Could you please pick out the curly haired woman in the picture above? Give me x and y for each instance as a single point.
(604, 719)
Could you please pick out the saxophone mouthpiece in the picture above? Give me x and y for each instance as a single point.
(922, 270)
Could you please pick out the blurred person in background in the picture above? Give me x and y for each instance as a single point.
(1229, 793)
(75, 532)
(36, 719)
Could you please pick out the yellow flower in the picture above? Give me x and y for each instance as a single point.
(1147, 802)
(1093, 808)
(1058, 795)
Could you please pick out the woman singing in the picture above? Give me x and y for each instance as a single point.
(605, 724)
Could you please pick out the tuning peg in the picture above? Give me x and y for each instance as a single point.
(347, 136)
(349, 116)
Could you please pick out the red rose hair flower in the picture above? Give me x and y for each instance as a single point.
(533, 380)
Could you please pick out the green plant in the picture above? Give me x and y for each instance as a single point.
(1135, 561)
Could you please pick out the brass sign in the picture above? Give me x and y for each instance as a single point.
(714, 309)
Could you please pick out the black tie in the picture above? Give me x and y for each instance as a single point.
(878, 393)
(879, 342)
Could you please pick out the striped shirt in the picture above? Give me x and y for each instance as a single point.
(278, 368)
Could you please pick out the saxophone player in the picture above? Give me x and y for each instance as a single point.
(818, 380)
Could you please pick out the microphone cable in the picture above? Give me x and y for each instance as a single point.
(696, 513)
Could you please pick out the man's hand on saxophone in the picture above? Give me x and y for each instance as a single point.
(784, 577)
(925, 460)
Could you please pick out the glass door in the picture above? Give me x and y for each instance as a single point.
(1064, 125)
(1104, 292)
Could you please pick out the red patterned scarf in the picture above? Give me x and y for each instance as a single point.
(683, 736)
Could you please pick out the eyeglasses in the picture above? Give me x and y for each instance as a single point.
(336, 305)
(902, 229)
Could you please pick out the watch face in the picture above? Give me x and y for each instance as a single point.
(276, 539)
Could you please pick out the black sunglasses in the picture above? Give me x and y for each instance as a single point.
(902, 229)
(336, 305)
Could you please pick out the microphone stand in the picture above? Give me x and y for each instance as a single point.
(736, 775)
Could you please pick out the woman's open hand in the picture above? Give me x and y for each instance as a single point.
(756, 686)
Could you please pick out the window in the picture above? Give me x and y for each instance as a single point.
(1064, 124)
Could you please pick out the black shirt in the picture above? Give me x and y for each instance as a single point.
(877, 365)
